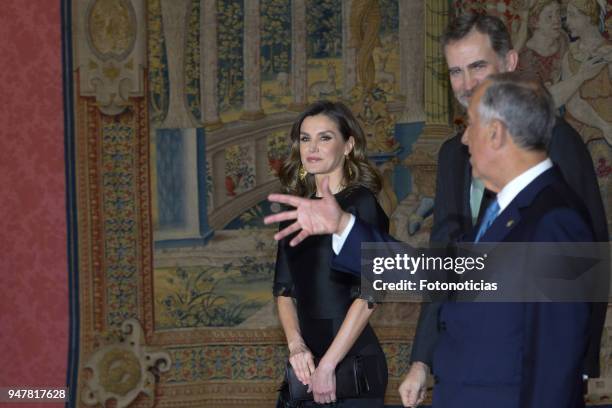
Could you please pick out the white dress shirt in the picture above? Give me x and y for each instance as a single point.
(338, 240)
(517, 184)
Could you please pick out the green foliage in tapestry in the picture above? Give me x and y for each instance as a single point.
(390, 17)
(158, 64)
(278, 151)
(209, 187)
(239, 169)
(324, 27)
(192, 60)
(275, 36)
(230, 33)
(212, 296)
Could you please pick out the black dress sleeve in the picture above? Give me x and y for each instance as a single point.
(362, 203)
(283, 282)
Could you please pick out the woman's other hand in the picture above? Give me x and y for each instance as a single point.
(323, 383)
(302, 361)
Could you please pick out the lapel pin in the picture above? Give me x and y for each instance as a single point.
(509, 223)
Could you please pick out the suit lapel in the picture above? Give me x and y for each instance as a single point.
(502, 225)
(464, 188)
(511, 215)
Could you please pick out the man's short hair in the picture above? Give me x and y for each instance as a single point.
(491, 26)
(523, 104)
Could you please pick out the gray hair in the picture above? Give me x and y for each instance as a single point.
(523, 105)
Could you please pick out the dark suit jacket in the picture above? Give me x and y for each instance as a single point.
(510, 355)
(452, 220)
(519, 355)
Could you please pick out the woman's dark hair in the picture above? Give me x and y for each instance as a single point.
(362, 172)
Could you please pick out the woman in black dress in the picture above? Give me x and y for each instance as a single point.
(320, 309)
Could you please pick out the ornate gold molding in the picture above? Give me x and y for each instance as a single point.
(111, 52)
(121, 371)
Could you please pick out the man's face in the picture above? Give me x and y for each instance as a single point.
(476, 138)
(470, 60)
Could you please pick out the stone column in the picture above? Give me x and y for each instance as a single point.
(180, 147)
(423, 159)
(174, 16)
(299, 85)
(251, 52)
(437, 115)
(208, 63)
(412, 51)
(181, 188)
(349, 54)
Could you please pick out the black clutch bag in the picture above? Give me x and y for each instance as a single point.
(356, 376)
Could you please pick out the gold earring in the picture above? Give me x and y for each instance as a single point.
(302, 173)
(348, 168)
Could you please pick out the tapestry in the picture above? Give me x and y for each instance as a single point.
(182, 111)
(549, 37)
(182, 115)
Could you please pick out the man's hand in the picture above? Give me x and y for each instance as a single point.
(313, 217)
(413, 388)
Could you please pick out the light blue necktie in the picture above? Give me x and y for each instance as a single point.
(488, 219)
(476, 193)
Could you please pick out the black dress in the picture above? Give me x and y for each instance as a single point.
(324, 295)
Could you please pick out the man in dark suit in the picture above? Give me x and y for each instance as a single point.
(475, 47)
(517, 355)
(503, 355)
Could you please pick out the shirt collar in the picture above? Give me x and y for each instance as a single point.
(517, 184)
